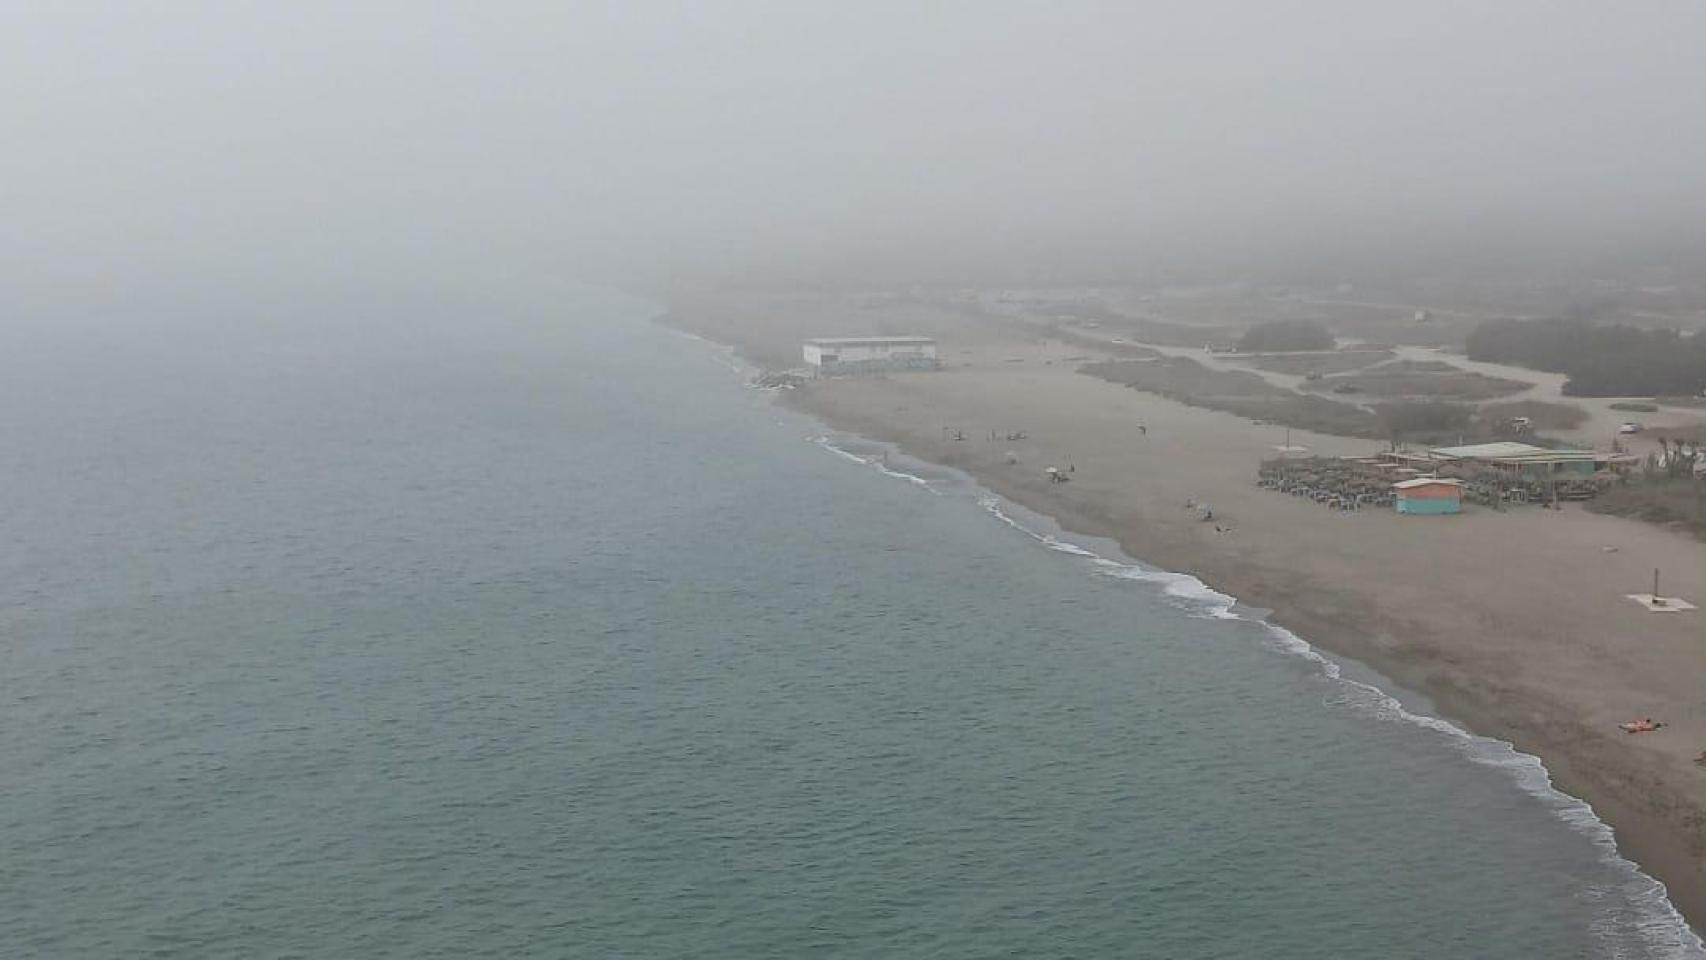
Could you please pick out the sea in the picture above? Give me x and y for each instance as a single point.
(522, 626)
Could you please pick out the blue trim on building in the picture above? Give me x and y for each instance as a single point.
(1433, 507)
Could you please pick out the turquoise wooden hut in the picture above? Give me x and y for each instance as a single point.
(1428, 495)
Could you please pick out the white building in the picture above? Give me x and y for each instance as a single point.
(844, 355)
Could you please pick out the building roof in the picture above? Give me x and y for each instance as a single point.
(866, 341)
(1511, 451)
(1426, 482)
(1489, 451)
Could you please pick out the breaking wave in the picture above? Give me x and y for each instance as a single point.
(880, 463)
(1649, 919)
(722, 353)
(1655, 921)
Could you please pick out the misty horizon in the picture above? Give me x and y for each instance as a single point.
(650, 478)
(652, 143)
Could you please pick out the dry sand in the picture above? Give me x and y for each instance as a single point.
(1514, 623)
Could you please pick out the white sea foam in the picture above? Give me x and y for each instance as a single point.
(722, 353)
(1657, 924)
(879, 463)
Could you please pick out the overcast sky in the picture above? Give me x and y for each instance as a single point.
(296, 139)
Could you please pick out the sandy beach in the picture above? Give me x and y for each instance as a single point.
(1514, 623)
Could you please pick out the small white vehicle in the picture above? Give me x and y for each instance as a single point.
(1629, 427)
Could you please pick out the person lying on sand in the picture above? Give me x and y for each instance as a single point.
(1645, 725)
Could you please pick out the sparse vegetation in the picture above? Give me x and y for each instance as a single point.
(1402, 421)
(1276, 336)
(1427, 366)
(1694, 435)
(1244, 394)
(1166, 334)
(1632, 407)
(1666, 500)
(1161, 333)
(1328, 363)
(1666, 489)
(1420, 378)
(1424, 421)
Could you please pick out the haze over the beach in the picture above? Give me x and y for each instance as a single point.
(206, 143)
(1140, 478)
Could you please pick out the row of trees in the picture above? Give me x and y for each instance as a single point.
(1673, 462)
(1600, 360)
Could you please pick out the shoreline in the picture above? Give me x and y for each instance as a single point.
(1644, 847)
(1528, 772)
(1338, 625)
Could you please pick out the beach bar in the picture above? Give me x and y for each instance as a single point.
(853, 355)
(1428, 495)
(1526, 460)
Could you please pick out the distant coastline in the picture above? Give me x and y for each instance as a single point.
(1649, 801)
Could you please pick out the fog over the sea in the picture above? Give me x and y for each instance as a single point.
(250, 144)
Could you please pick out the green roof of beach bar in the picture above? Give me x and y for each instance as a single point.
(1526, 458)
(1512, 452)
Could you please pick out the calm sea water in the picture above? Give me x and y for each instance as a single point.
(468, 631)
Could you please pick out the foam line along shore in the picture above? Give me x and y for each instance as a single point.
(1510, 623)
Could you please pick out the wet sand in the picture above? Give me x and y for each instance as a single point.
(1513, 623)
